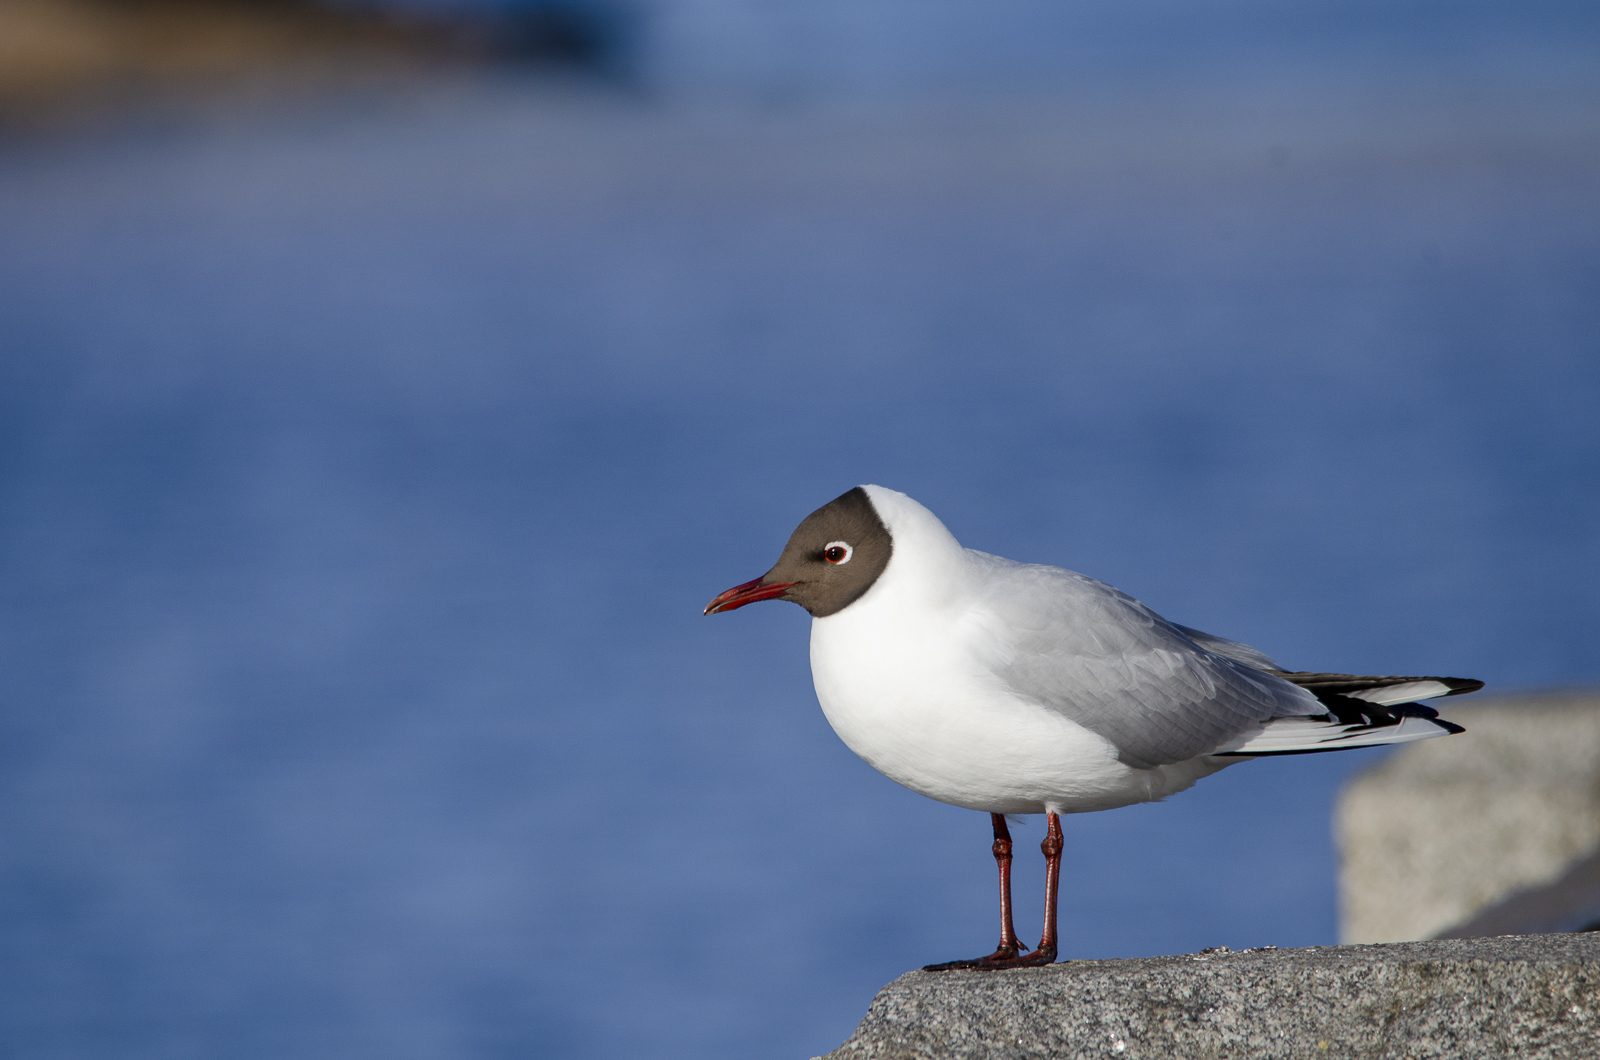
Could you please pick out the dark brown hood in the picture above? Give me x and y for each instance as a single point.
(808, 574)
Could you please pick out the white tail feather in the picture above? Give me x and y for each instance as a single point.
(1409, 692)
(1299, 735)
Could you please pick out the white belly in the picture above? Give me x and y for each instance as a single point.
(908, 700)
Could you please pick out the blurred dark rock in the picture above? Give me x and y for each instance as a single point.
(579, 35)
(1527, 996)
(61, 56)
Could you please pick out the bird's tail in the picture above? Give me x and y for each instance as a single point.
(1362, 712)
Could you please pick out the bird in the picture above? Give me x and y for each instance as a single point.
(1019, 688)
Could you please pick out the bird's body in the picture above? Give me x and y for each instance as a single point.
(916, 683)
(1017, 688)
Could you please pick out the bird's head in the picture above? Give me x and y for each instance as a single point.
(832, 558)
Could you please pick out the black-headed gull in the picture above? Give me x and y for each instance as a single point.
(1016, 688)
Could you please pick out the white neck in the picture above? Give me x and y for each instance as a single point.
(928, 566)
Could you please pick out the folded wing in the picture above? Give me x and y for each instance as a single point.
(1106, 661)
(1163, 693)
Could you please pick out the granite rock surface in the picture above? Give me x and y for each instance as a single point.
(1530, 996)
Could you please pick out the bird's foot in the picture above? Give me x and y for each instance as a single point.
(1004, 957)
(1000, 958)
(1045, 954)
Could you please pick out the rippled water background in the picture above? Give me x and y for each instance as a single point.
(366, 465)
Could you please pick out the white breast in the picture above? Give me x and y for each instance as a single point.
(900, 698)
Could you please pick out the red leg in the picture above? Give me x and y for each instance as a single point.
(1002, 859)
(1046, 953)
(1009, 946)
(1052, 847)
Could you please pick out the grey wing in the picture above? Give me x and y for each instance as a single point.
(1109, 663)
(1231, 648)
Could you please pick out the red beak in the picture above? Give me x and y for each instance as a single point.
(748, 593)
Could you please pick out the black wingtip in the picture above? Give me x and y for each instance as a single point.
(1417, 710)
(1459, 686)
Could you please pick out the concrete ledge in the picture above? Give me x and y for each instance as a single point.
(1518, 996)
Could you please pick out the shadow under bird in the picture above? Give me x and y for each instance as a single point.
(1017, 688)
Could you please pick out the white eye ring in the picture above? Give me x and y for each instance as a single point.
(842, 560)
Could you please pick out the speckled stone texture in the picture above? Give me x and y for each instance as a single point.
(1528, 996)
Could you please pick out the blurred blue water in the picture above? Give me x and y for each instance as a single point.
(805, 49)
(366, 467)
(811, 48)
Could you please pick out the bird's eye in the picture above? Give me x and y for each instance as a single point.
(837, 552)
